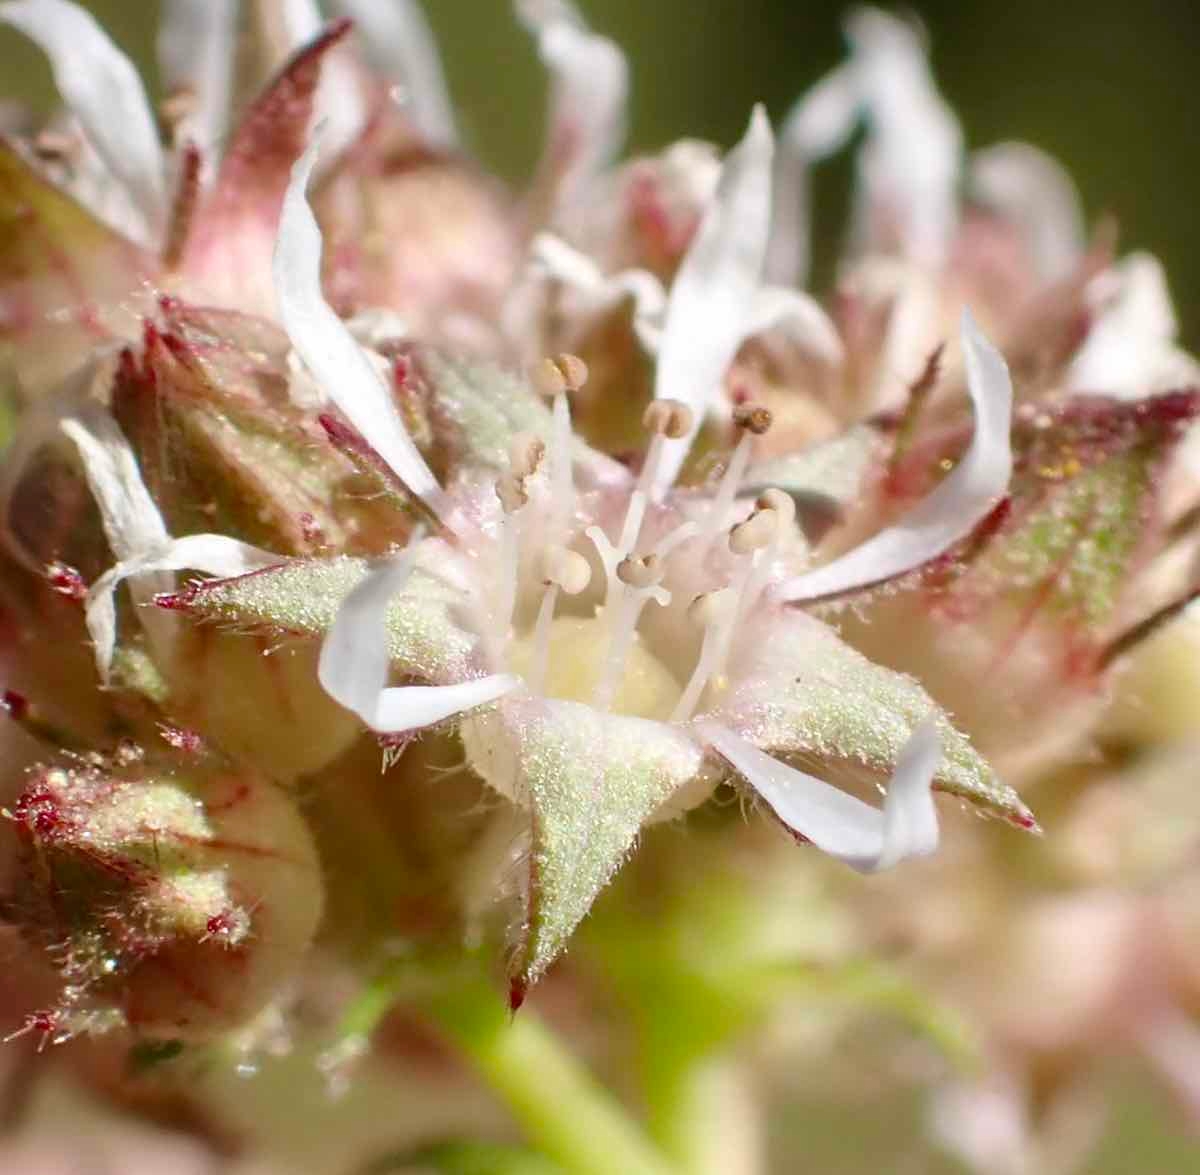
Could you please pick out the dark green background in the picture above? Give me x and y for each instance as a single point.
(1112, 87)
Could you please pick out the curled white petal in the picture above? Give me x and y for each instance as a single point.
(329, 350)
(214, 554)
(197, 41)
(400, 45)
(819, 124)
(40, 425)
(799, 316)
(353, 666)
(909, 165)
(102, 88)
(132, 522)
(589, 91)
(597, 291)
(950, 512)
(1130, 351)
(1034, 192)
(711, 300)
(909, 161)
(865, 838)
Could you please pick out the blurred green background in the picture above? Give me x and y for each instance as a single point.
(1108, 86)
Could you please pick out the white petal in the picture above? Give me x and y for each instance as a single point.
(590, 88)
(909, 165)
(131, 520)
(329, 350)
(102, 88)
(400, 45)
(1130, 351)
(708, 311)
(353, 666)
(197, 42)
(214, 554)
(952, 510)
(1033, 191)
(800, 317)
(865, 838)
(597, 291)
(819, 124)
(40, 425)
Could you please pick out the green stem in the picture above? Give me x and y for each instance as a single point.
(702, 1113)
(562, 1109)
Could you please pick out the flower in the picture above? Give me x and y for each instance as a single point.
(606, 640)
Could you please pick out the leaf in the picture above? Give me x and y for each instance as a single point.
(590, 780)
(799, 692)
(302, 597)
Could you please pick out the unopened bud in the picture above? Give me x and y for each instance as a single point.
(669, 418)
(752, 418)
(643, 572)
(183, 898)
(567, 569)
(563, 373)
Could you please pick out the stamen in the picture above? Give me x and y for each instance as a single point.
(710, 612)
(510, 489)
(555, 378)
(752, 421)
(783, 506)
(563, 571)
(541, 638)
(640, 578)
(665, 420)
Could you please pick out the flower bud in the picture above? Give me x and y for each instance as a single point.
(181, 895)
(204, 403)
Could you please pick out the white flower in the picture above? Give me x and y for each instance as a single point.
(620, 638)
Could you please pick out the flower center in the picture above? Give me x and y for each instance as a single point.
(577, 655)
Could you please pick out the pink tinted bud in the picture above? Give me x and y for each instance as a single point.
(180, 895)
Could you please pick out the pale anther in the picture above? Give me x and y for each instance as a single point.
(567, 570)
(756, 532)
(563, 373)
(782, 503)
(752, 418)
(641, 572)
(669, 418)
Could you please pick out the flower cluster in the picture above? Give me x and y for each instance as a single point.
(585, 492)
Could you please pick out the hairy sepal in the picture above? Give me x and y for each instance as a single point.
(589, 780)
(301, 599)
(804, 695)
